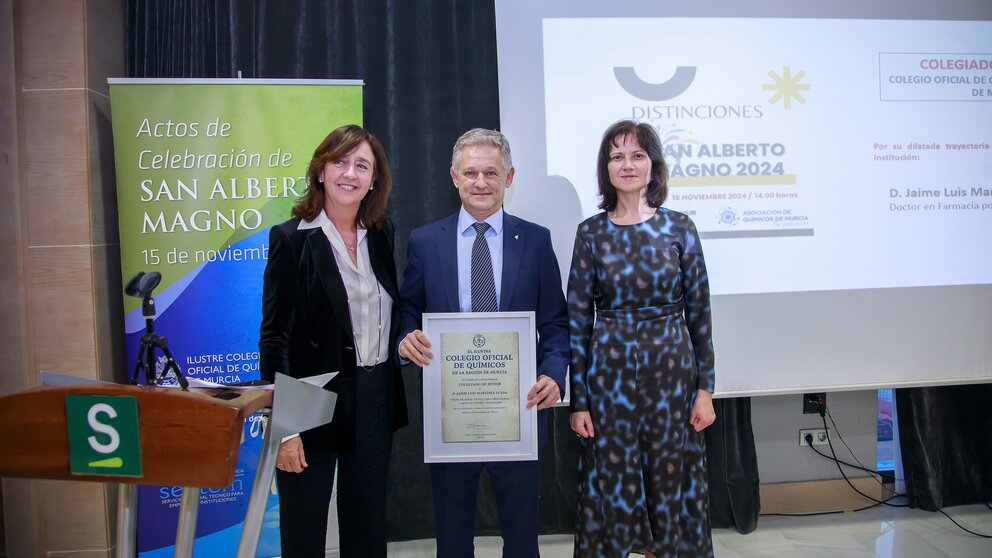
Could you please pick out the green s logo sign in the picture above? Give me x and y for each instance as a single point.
(103, 435)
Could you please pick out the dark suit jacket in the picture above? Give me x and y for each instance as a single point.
(306, 328)
(531, 280)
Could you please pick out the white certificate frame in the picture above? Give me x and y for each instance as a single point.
(526, 448)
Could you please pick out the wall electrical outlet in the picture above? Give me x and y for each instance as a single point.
(819, 436)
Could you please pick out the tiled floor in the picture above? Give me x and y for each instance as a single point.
(878, 533)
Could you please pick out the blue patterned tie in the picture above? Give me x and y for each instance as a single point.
(483, 285)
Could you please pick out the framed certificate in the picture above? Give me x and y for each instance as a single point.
(475, 388)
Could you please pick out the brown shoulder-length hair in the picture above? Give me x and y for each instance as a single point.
(647, 138)
(372, 210)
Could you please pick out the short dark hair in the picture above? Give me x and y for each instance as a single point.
(647, 138)
(372, 210)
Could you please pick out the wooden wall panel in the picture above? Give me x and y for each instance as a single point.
(60, 233)
(13, 341)
(102, 179)
(105, 48)
(105, 43)
(23, 531)
(62, 309)
(55, 180)
(52, 49)
(74, 517)
(108, 293)
(83, 554)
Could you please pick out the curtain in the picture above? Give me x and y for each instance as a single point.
(732, 467)
(943, 465)
(430, 74)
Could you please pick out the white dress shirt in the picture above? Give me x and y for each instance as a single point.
(466, 238)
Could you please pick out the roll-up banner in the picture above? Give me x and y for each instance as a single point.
(204, 168)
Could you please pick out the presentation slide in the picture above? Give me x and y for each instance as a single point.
(834, 158)
(791, 151)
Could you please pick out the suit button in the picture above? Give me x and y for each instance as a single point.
(314, 344)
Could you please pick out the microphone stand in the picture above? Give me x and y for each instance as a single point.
(146, 352)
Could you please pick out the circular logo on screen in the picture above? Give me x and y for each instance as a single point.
(728, 217)
(479, 341)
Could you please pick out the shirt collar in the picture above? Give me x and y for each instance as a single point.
(321, 221)
(317, 222)
(465, 221)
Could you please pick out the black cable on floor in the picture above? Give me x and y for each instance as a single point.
(841, 470)
(837, 461)
(963, 528)
(834, 512)
(860, 465)
(851, 465)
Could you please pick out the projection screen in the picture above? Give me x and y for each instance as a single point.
(835, 159)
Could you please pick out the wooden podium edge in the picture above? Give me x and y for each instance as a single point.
(188, 438)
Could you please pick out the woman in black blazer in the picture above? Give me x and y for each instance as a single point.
(329, 303)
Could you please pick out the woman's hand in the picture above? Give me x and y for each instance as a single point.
(291, 458)
(581, 423)
(703, 414)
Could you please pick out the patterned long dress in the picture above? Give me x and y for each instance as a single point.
(638, 302)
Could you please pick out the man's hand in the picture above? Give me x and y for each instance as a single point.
(291, 458)
(417, 348)
(544, 394)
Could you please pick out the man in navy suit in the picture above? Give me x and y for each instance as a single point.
(526, 277)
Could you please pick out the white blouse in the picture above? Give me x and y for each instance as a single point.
(369, 304)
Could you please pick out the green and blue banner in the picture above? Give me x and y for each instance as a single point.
(204, 169)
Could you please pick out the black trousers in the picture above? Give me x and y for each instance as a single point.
(361, 496)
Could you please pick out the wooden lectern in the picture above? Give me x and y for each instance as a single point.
(187, 438)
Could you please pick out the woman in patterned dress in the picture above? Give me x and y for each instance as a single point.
(642, 371)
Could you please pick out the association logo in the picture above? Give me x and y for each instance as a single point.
(103, 435)
(728, 217)
(676, 85)
(479, 341)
